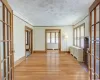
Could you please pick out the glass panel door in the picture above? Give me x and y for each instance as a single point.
(95, 41)
(6, 42)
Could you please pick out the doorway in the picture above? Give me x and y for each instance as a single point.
(28, 41)
(53, 39)
(94, 55)
(6, 42)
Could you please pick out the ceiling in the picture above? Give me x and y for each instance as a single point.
(51, 12)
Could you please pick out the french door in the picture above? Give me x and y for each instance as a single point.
(95, 41)
(6, 42)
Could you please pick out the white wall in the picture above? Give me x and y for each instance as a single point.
(39, 37)
(19, 37)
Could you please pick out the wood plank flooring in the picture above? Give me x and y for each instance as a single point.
(50, 66)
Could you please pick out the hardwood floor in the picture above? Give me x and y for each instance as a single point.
(50, 66)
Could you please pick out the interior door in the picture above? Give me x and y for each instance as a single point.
(28, 41)
(6, 42)
(95, 41)
(30, 36)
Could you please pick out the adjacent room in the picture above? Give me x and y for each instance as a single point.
(49, 39)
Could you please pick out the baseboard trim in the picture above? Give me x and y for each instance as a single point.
(52, 49)
(19, 61)
(65, 51)
(39, 51)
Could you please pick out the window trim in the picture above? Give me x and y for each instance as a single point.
(80, 37)
(59, 43)
(54, 38)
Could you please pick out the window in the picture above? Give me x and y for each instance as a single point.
(52, 37)
(79, 33)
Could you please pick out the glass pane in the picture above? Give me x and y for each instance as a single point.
(1, 31)
(89, 60)
(48, 37)
(97, 49)
(2, 71)
(7, 69)
(78, 32)
(2, 50)
(82, 31)
(75, 37)
(9, 17)
(93, 17)
(5, 15)
(75, 33)
(92, 43)
(1, 17)
(92, 48)
(6, 32)
(97, 40)
(97, 67)
(52, 37)
(92, 32)
(7, 49)
(57, 37)
(92, 62)
(9, 32)
(8, 29)
(75, 42)
(82, 42)
(97, 13)
(78, 42)
(97, 32)
(10, 61)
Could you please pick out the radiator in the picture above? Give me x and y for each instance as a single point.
(77, 53)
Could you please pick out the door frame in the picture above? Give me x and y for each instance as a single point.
(59, 44)
(10, 53)
(93, 7)
(28, 28)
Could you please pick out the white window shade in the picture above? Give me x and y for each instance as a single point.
(57, 37)
(82, 31)
(78, 32)
(48, 37)
(75, 33)
(53, 38)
